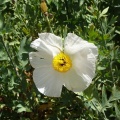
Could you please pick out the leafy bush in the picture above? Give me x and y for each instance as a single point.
(97, 21)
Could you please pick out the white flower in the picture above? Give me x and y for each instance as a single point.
(70, 63)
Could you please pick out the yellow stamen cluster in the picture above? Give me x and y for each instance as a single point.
(62, 62)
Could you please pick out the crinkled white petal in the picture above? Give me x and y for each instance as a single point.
(48, 82)
(51, 39)
(84, 63)
(40, 59)
(74, 43)
(75, 82)
(48, 42)
(40, 45)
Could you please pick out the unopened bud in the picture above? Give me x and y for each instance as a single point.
(43, 6)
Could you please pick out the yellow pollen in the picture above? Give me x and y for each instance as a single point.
(62, 62)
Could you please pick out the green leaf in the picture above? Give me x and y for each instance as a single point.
(25, 45)
(101, 68)
(117, 111)
(2, 7)
(81, 2)
(105, 103)
(89, 91)
(115, 94)
(1, 21)
(104, 12)
(14, 43)
(26, 31)
(24, 60)
(3, 1)
(117, 32)
(22, 46)
(104, 96)
(21, 108)
(3, 55)
(94, 104)
(2, 106)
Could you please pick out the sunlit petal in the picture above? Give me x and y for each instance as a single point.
(75, 82)
(53, 41)
(48, 42)
(47, 81)
(40, 59)
(84, 63)
(73, 44)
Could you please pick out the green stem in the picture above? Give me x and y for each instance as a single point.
(49, 24)
(11, 62)
(66, 6)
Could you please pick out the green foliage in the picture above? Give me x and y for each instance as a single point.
(97, 21)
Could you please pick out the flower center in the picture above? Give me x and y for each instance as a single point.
(62, 62)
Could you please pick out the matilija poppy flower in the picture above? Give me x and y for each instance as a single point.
(57, 62)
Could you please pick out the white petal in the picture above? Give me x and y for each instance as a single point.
(84, 63)
(74, 82)
(51, 39)
(48, 42)
(40, 59)
(48, 81)
(40, 45)
(73, 44)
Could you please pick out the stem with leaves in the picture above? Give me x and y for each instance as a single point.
(48, 21)
(11, 61)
